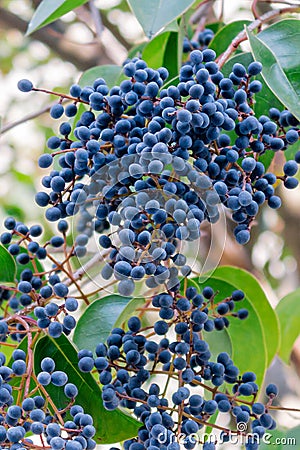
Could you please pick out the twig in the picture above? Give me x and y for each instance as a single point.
(61, 95)
(254, 9)
(98, 257)
(221, 17)
(202, 9)
(95, 13)
(242, 36)
(49, 399)
(26, 118)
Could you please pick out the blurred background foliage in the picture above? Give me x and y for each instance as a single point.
(103, 32)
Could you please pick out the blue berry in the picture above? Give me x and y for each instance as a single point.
(59, 378)
(25, 85)
(86, 364)
(56, 111)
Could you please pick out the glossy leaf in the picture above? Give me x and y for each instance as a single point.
(8, 350)
(218, 341)
(288, 311)
(34, 265)
(129, 311)
(153, 52)
(172, 26)
(154, 15)
(283, 39)
(110, 72)
(291, 151)
(245, 335)
(259, 331)
(137, 50)
(215, 26)
(275, 47)
(50, 10)
(225, 35)
(172, 55)
(97, 321)
(171, 82)
(243, 280)
(8, 268)
(111, 426)
(163, 50)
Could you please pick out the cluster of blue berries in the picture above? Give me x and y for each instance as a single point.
(143, 167)
(201, 42)
(156, 162)
(174, 348)
(32, 414)
(192, 122)
(43, 293)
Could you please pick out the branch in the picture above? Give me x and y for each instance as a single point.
(204, 11)
(115, 32)
(24, 119)
(84, 14)
(98, 257)
(242, 36)
(97, 18)
(83, 59)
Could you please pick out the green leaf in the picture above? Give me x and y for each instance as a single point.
(265, 99)
(244, 58)
(16, 211)
(8, 268)
(110, 72)
(111, 426)
(128, 311)
(137, 50)
(276, 48)
(291, 151)
(34, 265)
(259, 331)
(215, 26)
(172, 26)
(226, 34)
(172, 55)
(243, 280)
(171, 82)
(8, 350)
(163, 50)
(218, 341)
(153, 52)
(50, 10)
(22, 177)
(154, 15)
(288, 311)
(97, 321)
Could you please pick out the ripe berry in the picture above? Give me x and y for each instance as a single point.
(25, 85)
